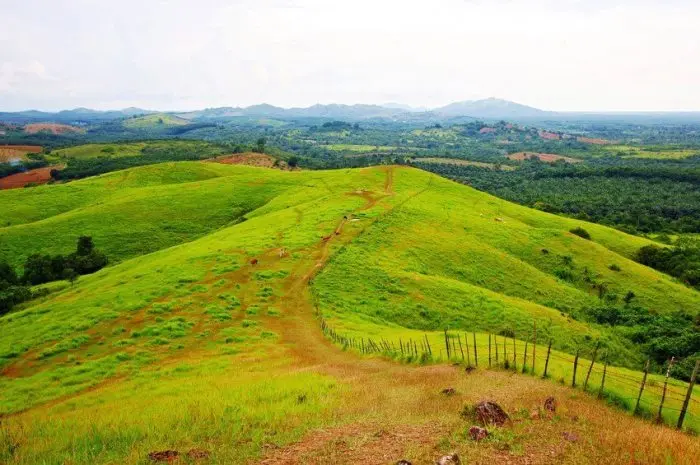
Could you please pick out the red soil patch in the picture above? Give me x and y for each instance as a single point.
(589, 140)
(53, 128)
(546, 157)
(9, 153)
(37, 176)
(549, 135)
(250, 159)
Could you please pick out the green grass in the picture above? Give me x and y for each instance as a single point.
(88, 151)
(155, 121)
(125, 220)
(183, 334)
(359, 148)
(667, 153)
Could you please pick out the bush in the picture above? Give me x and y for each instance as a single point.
(580, 232)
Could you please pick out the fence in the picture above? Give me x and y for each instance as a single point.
(658, 397)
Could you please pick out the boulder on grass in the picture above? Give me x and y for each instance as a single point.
(451, 459)
(550, 404)
(490, 413)
(477, 433)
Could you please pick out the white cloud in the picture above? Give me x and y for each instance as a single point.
(554, 54)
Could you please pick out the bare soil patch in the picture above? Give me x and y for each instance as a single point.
(37, 176)
(546, 157)
(590, 140)
(53, 128)
(250, 159)
(549, 135)
(10, 153)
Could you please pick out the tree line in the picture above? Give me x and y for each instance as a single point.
(40, 269)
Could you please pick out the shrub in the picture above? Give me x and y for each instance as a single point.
(580, 232)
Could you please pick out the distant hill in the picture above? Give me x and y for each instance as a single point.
(490, 108)
(155, 120)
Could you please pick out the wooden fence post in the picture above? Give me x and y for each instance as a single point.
(602, 381)
(534, 347)
(447, 345)
(573, 380)
(546, 362)
(476, 357)
(466, 342)
(688, 394)
(641, 388)
(427, 342)
(505, 352)
(525, 356)
(489, 350)
(515, 354)
(663, 394)
(590, 368)
(459, 339)
(495, 343)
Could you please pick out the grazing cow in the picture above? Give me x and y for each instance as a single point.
(254, 261)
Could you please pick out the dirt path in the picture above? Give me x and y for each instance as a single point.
(393, 411)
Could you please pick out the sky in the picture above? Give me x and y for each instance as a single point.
(560, 55)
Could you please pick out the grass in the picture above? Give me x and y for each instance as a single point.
(667, 153)
(359, 148)
(155, 121)
(459, 161)
(88, 151)
(201, 349)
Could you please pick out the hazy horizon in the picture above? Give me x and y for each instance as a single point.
(566, 55)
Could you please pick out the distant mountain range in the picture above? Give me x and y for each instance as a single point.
(487, 109)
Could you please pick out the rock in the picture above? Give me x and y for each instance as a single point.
(449, 391)
(164, 456)
(535, 414)
(403, 462)
(550, 404)
(571, 437)
(490, 413)
(452, 459)
(477, 433)
(198, 454)
(469, 369)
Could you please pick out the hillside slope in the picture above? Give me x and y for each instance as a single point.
(213, 344)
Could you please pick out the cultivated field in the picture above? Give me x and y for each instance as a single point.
(35, 176)
(546, 157)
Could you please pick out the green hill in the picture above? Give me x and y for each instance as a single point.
(155, 120)
(204, 330)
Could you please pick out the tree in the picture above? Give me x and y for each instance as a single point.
(71, 275)
(8, 276)
(37, 270)
(293, 162)
(260, 145)
(85, 245)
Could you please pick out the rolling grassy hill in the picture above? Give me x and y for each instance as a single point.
(155, 120)
(200, 348)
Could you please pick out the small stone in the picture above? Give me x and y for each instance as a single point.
(571, 437)
(490, 413)
(403, 462)
(535, 414)
(449, 391)
(477, 433)
(451, 459)
(550, 404)
(164, 456)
